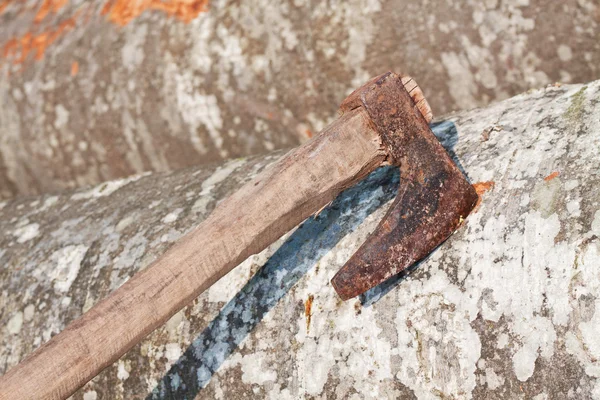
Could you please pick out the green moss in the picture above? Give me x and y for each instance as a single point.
(575, 110)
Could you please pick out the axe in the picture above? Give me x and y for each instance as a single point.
(384, 122)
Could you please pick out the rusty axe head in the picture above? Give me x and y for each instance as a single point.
(433, 198)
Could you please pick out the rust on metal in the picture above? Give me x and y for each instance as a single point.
(433, 198)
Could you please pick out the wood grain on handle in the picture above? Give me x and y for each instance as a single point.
(263, 210)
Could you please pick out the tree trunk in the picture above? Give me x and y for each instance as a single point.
(97, 90)
(506, 308)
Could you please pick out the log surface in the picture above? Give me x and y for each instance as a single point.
(96, 90)
(508, 307)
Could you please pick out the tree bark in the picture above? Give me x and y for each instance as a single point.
(104, 89)
(507, 307)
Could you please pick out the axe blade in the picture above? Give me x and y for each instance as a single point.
(434, 196)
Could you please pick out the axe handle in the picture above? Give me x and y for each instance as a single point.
(263, 210)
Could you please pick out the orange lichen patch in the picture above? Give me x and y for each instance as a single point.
(74, 68)
(3, 5)
(47, 7)
(17, 49)
(308, 310)
(122, 12)
(481, 188)
(308, 133)
(552, 176)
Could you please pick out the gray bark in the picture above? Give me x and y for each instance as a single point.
(507, 308)
(247, 77)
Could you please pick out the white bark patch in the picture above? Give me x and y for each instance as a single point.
(132, 53)
(62, 116)
(28, 312)
(493, 380)
(27, 232)
(91, 395)
(254, 369)
(122, 372)
(573, 208)
(502, 341)
(172, 216)
(173, 324)
(15, 323)
(172, 352)
(49, 202)
(106, 189)
(545, 195)
(538, 336)
(564, 53)
(596, 223)
(124, 223)
(66, 263)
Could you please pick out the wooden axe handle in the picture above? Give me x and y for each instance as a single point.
(301, 183)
